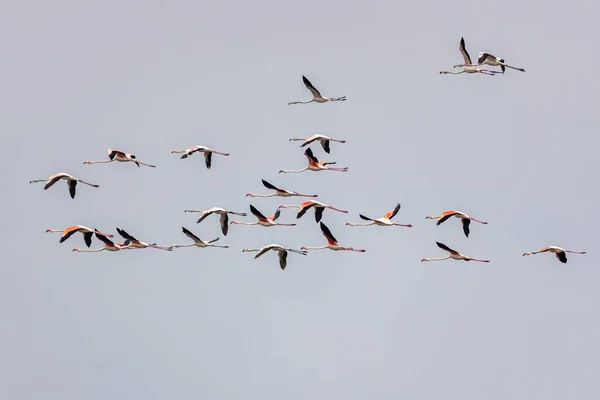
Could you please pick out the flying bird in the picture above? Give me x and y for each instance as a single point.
(224, 220)
(316, 95)
(136, 244)
(316, 205)
(332, 242)
(281, 251)
(464, 219)
(262, 220)
(314, 165)
(71, 230)
(468, 66)
(490, 59)
(383, 221)
(108, 244)
(202, 149)
(116, 155)
(197, 241)
(455, 255)
(278, 192)
(325, 141)
(559, 252)
(71, 182)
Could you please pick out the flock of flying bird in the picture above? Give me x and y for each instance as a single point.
(314, 164)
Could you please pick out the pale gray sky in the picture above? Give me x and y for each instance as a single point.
(518, 150)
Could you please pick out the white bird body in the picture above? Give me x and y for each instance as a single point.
(208, 152)
(490, 59)
(71, 230)
(314, 165)
(383, 221)
(278, 192)
(282, 252)
(324, 140)
(558, 251)
(119, 156)
(108, 244)
(332, 243)
(223, 220)
(452, 254)
(262, 220)
(197, 241)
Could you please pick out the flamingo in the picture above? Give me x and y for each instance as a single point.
(559, 252)
(136, 244)
(464, 218)
(281, 251)
(468, 66)
(317, 205)
(314, 165)
(383, 221)
(71, 230)
(197, 241)
(108, 244)
(262, 220)
(202, 149)
(332, 242)
(325, 141)
(490, 59)
(224, 220)
(316, 95)
(71, 182)
(117, 155)
(278, 192)
(455, 255)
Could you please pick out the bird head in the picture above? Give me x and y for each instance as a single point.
(48, 230)
(87, 162)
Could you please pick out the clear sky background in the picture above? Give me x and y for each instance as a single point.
(518, 150)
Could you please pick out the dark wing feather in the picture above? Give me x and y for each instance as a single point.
(319, 213)
(269, 186)
(444, 247)
(126, 235)
(481, 59)
(308, 153)
(277, 214)
(256, 213)
(68, 235)
(72, 186)
(203, 216)
(224, 220)
(283, 259)
(562, 257)
(325, 145)
(104, 239)
(208, 158)
(87, 237)
(365, 218)
(465, 223)
(395, 211)
(310, 87)
(444, 218)
(303, 210)
(190, 234)
(327, 232)
(52, 181)
(112, 154)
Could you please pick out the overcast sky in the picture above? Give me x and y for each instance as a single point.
(518, 151)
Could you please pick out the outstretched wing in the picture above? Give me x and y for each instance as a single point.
(263, 251)
(257, 213)
(276, 215)
(203, 216)
(87, 238)
(269, 186)
(309, 140)
(392, 214)
(310, 87)
(190, 234)
(445, 218)
(562, 256)
(224, 221)
(365, 217)
(465, 223)
(444, 247)
(69, 232)
(126, 235)
(283, 259)
(72, 186)
(325, 145)
(53, 180)
(208, 158)
(304, 207)
(328, 235)
(311, 157)
(103, 238)
(319, 213)
(463, 50)
(483, 57)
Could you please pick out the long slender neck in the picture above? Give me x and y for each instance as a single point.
(315, 248)
(160, 247)
(358, 224)
(436, 259)
(432, 217)
(98, 161)
(289, 206)
(38, 180)
(301, 102)
(296, 139)
(193, 211)
(176, 246)
(251, 250)
(177, 151)
(89, 251)
(54, 231)
(261, 195)
(289, 171)
(244, 223)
